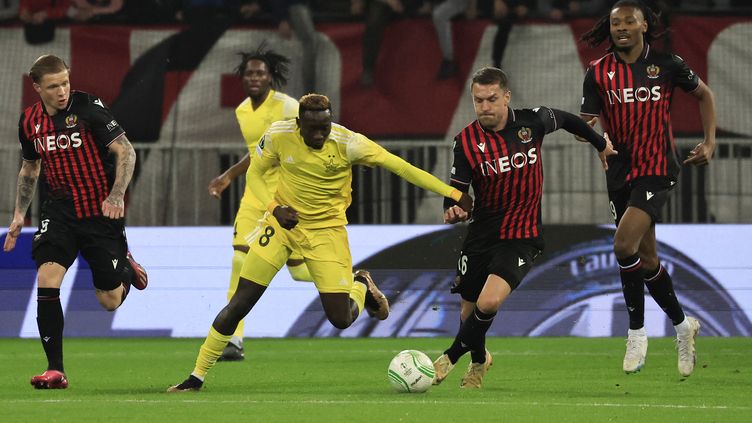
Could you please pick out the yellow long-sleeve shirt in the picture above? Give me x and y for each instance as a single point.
(317, 183)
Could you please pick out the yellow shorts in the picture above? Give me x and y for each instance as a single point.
(326, 253)
(249, 217)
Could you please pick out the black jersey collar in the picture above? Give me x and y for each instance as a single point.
(70, 101)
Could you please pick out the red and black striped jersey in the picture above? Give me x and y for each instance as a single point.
(73, 147)
(633, 101)
(506, 171)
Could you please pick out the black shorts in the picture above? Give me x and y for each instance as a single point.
(648, 194)
(510, 259)
(100, 240)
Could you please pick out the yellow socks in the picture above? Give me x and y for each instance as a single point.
(358, 294)
(209, 352)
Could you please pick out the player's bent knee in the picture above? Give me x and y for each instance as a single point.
(340, 322)
(110, 300)
(111, 307)
(50, 275)
(488, 305)
(337, 308)
(623, 248)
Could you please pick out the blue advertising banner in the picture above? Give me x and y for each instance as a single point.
(573, 289)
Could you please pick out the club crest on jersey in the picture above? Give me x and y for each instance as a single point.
(71, 121)
(331, 167)
(525, 135)
(653, 71)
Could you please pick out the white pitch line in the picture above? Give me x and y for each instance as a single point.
(388, 402)
(272, 351)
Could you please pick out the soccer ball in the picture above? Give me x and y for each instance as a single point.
(411, 371)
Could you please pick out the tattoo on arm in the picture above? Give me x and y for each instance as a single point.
(27, 183)
(124, 165)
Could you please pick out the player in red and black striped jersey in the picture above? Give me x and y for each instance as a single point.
(631, 89)
(500, 155)
(73, 147)
(88, 163)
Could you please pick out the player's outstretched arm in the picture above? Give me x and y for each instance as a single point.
(579, 128)
(125, 161)
(425, 180)
(363, 151)
(576, 126)
(221, 182)
(27, 183)
(590, 120)
(703, 152)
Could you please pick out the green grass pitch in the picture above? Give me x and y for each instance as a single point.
(344, 380)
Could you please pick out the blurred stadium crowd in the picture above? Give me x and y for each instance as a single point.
(276, 12)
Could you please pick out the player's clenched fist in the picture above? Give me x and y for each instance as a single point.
(286, 216)
(455, 214)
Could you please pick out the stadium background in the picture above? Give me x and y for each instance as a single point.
(171, 86)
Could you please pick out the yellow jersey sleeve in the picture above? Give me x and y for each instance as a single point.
(264, 158)
(361, 150)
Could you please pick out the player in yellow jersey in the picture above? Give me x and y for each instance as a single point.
(261, 72)
(306, 215)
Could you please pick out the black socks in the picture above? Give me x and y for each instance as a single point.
(633, 287)
(472, 337)
(662, 290)
(50, 324)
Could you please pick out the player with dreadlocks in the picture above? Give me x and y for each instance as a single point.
(630, 89)
(261, 72)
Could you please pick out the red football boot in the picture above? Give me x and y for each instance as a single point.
(140, 279)
(51, 379)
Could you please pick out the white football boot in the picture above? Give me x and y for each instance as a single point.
(685, 345)
(637, 349)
